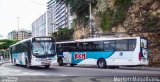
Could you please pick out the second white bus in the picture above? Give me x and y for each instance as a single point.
(103, 52)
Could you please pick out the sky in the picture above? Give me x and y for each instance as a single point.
(24, 11)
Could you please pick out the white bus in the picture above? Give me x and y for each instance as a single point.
(103, 52)
(35, 51)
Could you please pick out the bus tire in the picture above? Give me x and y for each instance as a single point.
(60, 62)
(72, 65)
(101, 63)
(47, 66)
(27, 64)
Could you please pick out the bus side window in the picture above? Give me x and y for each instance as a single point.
(24, 47)
(109, 45)
(59, 48)
(63, 47)
(98, 45)
(88, 47)
(72, 47)
(132, 44)
(85, 46)
(76, 47)
(82, 47)
(121, 45)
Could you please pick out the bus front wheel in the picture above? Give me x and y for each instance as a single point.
(60, 62)
(101, 63)
(14, 62)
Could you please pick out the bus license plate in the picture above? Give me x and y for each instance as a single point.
(46, 62)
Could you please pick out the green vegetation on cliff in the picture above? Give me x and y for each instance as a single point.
(115, 16)
(63, 34)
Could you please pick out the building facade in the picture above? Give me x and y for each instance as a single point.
(11, 35)
(58, 16)
(19, 35)
(39, 26)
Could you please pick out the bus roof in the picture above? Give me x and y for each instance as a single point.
(29, 39)
(96, 39)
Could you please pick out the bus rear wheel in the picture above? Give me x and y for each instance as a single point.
(60, 62)
(101, 63)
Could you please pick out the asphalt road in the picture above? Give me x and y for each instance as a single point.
(65, 73)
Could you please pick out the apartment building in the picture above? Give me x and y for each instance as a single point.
(39, 26)
(19, 35)
(58, 16)
(11, 35)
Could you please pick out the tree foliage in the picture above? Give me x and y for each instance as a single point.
(4, 44)
(115, 16)
(80, 7)
(106, 20)
(63, 34)
(121, 10)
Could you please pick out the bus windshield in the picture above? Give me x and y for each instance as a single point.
(43, 48)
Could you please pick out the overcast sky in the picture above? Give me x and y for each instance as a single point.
(26, 10)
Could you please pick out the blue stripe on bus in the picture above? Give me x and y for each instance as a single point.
(91, 55)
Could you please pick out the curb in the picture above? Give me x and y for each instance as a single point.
(4, 62)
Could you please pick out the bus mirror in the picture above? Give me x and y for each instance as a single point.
(31, 46)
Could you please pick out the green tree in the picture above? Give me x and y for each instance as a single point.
(63, 34)
(80, 7)
(4, 44)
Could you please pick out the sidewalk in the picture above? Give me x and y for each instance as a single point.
(3, 61)
(142, 68)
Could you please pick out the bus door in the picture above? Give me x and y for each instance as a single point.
(143, 55)
(10, 52)
(29, 49)
(65, 52)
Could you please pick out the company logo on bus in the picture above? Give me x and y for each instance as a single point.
(80, 56)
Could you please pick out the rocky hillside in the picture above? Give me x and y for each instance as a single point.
(142, 19)
(125, 18)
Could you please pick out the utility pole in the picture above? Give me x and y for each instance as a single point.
(90, 19)
(17, 26)
(18, 23)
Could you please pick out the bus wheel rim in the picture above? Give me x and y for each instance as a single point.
(101, 64)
